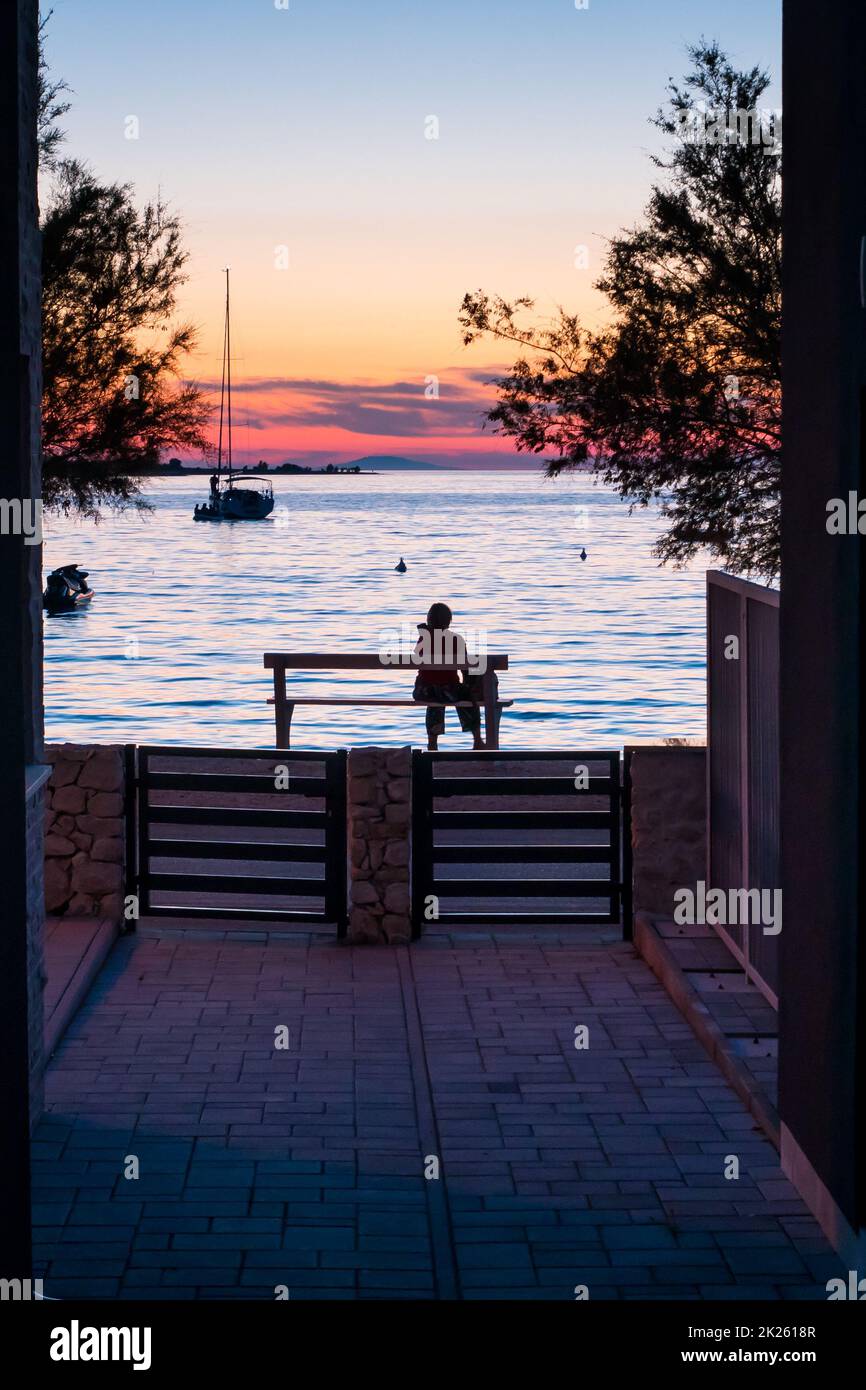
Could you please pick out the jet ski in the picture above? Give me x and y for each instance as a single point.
(65, 589)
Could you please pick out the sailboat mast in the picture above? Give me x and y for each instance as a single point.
(222, 405)
(229, 375)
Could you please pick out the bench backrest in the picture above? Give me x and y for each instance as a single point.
(371, 661)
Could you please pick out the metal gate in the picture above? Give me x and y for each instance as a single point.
(516, 837)
(242, 834)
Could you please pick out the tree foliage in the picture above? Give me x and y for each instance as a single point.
(678, 398)
(113, 400)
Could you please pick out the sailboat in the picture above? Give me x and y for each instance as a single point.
(228, 501)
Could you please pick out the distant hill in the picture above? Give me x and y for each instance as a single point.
(380, 463)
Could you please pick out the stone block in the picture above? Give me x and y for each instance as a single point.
(67, 752)
(393, 875)
(57, 879)
(363, 926)
(363, 761)
(100, 825)
(397, 928)
(58, 846)
(112, 907)
(399, 762)
(70, 799)
(108, 851)
(397, 898)
(397, 853)
(83, 905)
(105, 804)
(103, 772)
(363, 791)
(97, 879)
(64, 773)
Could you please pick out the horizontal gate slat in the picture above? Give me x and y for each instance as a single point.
(241, 784)
(549, 919)
(236, 914)
(235, 883)
(522, 854)
(184, 753)
(522, 820)
(166, 848)
(501, 757)
(212, 815)
(518, 786)
(523, 887)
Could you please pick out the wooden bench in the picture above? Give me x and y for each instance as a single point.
(284, 703)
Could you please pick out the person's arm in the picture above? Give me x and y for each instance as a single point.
(460, 656)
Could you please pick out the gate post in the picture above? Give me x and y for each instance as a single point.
(379, 824)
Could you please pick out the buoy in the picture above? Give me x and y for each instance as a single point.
(401, 568)
(583, 555)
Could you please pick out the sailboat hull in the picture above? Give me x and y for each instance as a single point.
(237, 504)
(241, 504)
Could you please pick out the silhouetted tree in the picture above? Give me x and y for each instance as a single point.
(679, 397)
(112, 398)
(51, 105)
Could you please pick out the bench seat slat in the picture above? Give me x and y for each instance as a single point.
(365, 661)
(437, 704)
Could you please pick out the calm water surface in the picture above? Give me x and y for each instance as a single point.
(602, 651)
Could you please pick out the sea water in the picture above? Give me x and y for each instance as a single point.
(602, 651)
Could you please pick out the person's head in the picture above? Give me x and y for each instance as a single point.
(439, 616)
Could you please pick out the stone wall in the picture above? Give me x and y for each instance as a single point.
(668, 824)
(84, 831)
(379, 808)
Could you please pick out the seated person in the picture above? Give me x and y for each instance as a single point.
(436, 642)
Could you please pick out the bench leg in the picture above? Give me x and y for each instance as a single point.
(283, 711)
(491, 719)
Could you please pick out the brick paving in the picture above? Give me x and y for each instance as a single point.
(260, 1167)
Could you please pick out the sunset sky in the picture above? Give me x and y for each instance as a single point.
(306, 128)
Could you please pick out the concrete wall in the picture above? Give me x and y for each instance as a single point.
(21, 644)
(84, 831)
(822, 1011)
(669, 824)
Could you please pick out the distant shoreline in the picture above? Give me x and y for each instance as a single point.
(370, 465)
(281, 472)
(341, 471)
